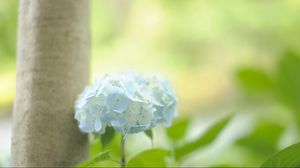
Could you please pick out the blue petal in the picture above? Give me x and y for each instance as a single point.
(118, 122)
(89, 92)
(118, 102)
(86, 126)
(98, 125)
(80, 103)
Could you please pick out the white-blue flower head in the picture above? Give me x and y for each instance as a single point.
(128, 101)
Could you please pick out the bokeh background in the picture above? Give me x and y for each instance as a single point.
(222, 56)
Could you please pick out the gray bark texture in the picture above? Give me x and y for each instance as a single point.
(52, 69)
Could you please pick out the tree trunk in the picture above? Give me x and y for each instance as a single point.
(52, 68)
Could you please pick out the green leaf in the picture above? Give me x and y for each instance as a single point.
(150, 158)
(254, 80)
(94, 147)
(98, 158)
(263, 139)
(149, 133)
(115, 146)
(289, 81)
(107, 137)
(208, 137)
(288, 157)
(178, 129)
(107, 163)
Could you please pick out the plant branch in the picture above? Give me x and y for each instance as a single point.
(123, 158)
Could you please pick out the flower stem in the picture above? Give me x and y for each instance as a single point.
(123, 158)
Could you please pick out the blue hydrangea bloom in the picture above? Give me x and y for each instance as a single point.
(129, 102)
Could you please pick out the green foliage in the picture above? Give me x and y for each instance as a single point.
(289, 82)
(284, 87)
(8, 26)
(254, 80)
(98, 158)
(263, 139)
(178, 129)
(149, 133)
(108, 136)
(155, 157)
(289, 79)
(209, 136)
(288, 157)
(150, 158)
(284, 84)
(8, 31)
(114, 146)
(94, 147)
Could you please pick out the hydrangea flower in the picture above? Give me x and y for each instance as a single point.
(128, 102)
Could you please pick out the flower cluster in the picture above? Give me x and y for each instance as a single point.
(129, 102)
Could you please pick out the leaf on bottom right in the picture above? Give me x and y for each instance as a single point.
(288, 157)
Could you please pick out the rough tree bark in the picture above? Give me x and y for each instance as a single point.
(52, 68)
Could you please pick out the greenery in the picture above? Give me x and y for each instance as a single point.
(235, 66)
(157, 157)
(288, 157)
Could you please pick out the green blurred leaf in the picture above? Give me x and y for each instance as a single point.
(178, 129)
(237, 156)
(115, 146)
(263, 139)
(107, 163)
(288, 157)
(107, 137)
(254, 80)
(149, 133)
(289, 81)
(98, 158)
(95, 147)
(150, 158)
(209, 136)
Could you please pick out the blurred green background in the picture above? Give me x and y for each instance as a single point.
(222, 56)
